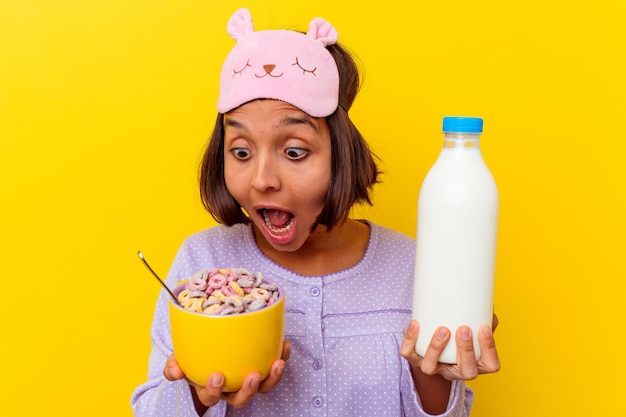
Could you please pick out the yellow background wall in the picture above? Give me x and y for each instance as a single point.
(105, 106)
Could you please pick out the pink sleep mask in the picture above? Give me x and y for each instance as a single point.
(280, 64)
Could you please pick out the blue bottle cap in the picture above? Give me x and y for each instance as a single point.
(463, 124)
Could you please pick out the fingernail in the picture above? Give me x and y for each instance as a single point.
(465, 333)
(254, 383)
(441, 333)
(279, 370)
(486, 331)
(217, 380)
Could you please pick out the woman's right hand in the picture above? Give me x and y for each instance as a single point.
(211, 393)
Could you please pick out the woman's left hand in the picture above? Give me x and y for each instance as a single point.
(467, 367)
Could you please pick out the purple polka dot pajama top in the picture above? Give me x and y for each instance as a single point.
(345, 330)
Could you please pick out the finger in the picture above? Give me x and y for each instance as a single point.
(488, 353)
(276, 374)
(407, 348)
(210, 394)
(465, 355)
(440, 339)
(286, 350)
(494, 322)
(250, 386)
(172, 371)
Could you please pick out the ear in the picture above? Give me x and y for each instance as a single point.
(322, 31)
(240, 24)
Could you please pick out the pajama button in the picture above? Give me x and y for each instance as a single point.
(315, 291)
(317, 401)
(317, 364)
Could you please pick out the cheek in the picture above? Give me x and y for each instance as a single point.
(317, 189)
(233, 181)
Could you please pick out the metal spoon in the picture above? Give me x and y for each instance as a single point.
(157, 277)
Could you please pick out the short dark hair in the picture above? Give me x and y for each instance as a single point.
(353, 165)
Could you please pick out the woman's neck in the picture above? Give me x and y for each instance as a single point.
(324, 252)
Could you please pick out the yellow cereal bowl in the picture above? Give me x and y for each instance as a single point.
(233, 345)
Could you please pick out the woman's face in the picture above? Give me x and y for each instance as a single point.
(277, 166)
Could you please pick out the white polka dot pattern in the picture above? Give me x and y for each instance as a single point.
(345, 329)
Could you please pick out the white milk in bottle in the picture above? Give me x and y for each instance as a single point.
(457, 225)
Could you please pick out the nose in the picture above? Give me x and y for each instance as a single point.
(265, 175)
(268, 68)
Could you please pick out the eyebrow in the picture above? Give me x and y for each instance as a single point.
(305, 120)
(235, 124)
(286, 121)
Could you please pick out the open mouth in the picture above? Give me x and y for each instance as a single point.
(277, 221)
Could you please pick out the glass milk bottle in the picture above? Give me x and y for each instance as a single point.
(457, 225)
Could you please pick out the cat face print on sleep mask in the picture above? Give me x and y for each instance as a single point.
(283, 65)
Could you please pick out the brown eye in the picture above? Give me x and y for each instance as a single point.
(304, 70)
(240, 153)
(296, 153)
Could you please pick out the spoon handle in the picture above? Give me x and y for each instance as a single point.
(157, 277)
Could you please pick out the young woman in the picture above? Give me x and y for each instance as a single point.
(282, 170)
